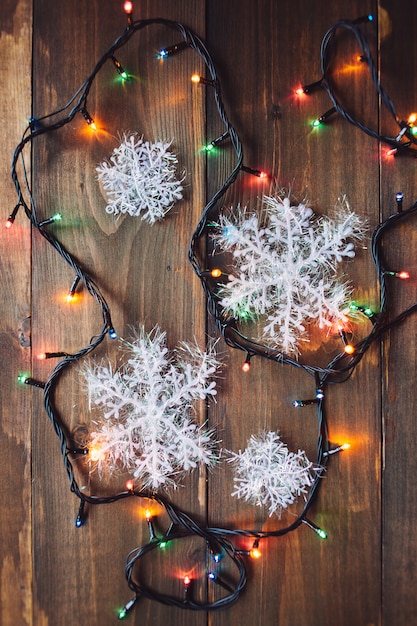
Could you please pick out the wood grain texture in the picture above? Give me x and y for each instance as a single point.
(276, 50)
(53, 574)
(398, 62)
(142, 270)
(15, 330)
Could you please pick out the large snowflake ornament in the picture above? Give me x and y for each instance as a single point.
(285, 268)
(267, 474)
(146, 424)
(140, 179)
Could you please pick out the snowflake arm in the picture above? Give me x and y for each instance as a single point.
(147, 406)
(140, 179)
(267, 474)
(285, 267)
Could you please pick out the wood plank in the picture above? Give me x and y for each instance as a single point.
(142, 270)
(265, 51)
(15, 402)
(398, 61)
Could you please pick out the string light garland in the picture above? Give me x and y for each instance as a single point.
(220, 542)
(405, 142)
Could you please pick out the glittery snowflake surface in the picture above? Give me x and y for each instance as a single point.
(285, 268)
(267, 474)
(140, 179)
(146, 424)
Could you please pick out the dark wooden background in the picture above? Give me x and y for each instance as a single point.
(53, 574)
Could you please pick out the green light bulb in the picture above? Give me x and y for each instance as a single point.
(322, 533)
(122, 613)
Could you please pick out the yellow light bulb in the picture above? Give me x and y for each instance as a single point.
(255, 553)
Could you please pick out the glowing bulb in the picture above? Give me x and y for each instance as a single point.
(196, 78)
(127, 607)
(300, 91)
(320, 120)
(55, 218)
(128, 7)
(254, 172)
(23, 378)
(112, 333)
(88, 119)
(412, 118)
(319, 531)
(9, 222)
(344, 446)
(246, 364)
(349, 349)
(166, 52)
(96, 454)
(148, 515)
(187, 581)
(124, 75)
(392, 152)
(216, 273)
(403, 275)
(255, 553)
(130, 485)
(163, 545)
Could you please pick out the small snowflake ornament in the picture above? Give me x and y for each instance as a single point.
(267, 474)
(146, 424)
(140, 179)
(285, 268)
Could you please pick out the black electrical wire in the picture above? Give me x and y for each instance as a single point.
(339, 369)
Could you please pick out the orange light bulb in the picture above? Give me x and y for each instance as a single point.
(255, 553)
(216, 273)
(403, 275)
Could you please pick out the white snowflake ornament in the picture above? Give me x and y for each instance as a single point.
(285, 268)
(140, 179)
(267, 474)
(146, 424)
